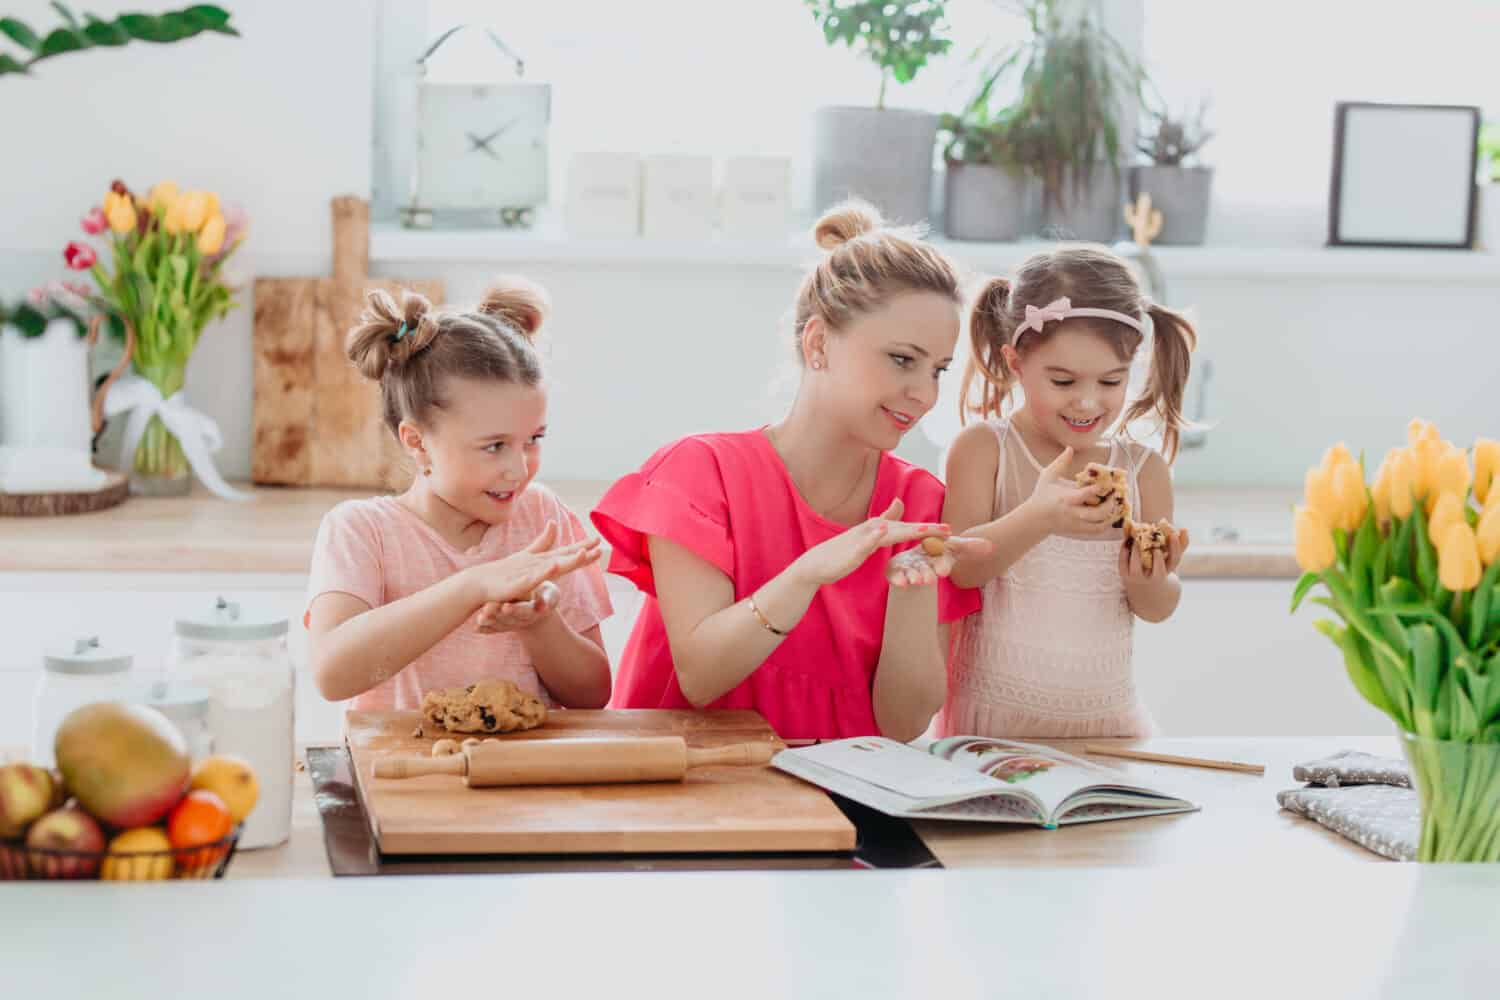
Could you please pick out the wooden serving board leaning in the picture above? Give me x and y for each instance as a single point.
(317, 419)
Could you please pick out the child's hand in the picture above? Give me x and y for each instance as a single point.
(1164, 563)
(845, 552)
(512, 616)
(517, 576)
(1068, 507)
(916, 567)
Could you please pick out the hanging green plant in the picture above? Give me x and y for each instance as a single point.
(75, 35)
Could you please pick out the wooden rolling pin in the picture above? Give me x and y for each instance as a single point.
(574, 761)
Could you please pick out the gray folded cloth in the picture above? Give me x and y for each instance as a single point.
(1362, 797)
(1350, 767)
(1380, 818)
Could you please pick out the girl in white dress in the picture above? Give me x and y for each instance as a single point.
(1049, 654)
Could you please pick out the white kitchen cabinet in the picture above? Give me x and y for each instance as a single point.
(1231, 662)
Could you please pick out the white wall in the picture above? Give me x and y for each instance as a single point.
(277, 120)
(281, 120)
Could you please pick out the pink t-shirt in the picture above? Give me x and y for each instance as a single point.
(379, 551)
(729, 499)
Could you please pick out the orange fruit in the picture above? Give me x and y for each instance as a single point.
(231, 779)
(200, 819)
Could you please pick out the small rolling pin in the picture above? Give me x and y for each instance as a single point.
(574, 762)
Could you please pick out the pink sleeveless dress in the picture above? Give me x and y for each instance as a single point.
(1048, 655)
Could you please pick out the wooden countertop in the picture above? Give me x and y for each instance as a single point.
(274, 534)
(1239, 823)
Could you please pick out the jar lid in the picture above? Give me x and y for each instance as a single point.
(85, 656)
(177, 701)
(225, 621)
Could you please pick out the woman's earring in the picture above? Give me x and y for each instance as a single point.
(427, 471)
(816, 365)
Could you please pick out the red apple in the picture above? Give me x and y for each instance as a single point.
(66, 829)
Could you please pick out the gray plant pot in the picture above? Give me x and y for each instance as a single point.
(984, 202)
(881, 155)
(1093, 215)
(1183, 194)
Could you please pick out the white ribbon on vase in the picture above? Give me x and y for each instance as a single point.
(198, 433)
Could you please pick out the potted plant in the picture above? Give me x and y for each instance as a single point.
(1488, 176)
(986, 182)
(1411, 566)
(1075, 82)
(1179, 187)
(880, 154)
(167, 252)
(45, 435)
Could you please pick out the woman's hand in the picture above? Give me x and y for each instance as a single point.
(1069, 509)
(916, 567)
(845, 552)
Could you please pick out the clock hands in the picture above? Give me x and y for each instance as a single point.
(482, 143)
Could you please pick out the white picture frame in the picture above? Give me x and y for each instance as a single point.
(1403, 176)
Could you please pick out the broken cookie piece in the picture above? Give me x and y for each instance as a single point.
(1149, 538)
(1111, 486)
(486, 707)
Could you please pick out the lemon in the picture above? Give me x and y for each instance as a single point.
(231, 779)
(126, 860)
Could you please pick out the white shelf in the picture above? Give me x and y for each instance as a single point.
(390, 243)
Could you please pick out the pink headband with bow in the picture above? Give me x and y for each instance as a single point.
(1060, 309)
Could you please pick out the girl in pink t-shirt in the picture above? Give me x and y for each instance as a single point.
(778, 572)
(442, 585)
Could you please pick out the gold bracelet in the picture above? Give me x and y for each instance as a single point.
(762, 618)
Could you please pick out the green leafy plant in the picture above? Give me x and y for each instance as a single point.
(1171, 140)
(981, 137)
(1489, 151)
(54, 301)
(898, 36)
(1073, 79)
(75, 35)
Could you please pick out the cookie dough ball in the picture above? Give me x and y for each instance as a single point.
(486, 707)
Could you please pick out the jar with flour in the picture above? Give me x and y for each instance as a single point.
(243, 662)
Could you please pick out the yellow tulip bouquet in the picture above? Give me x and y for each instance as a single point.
(1411, 567)
(168, 250)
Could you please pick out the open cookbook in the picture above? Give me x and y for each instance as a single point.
(975, 778)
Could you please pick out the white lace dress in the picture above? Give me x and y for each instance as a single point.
(1049, 654)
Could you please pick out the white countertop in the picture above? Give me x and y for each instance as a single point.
(1339, 931)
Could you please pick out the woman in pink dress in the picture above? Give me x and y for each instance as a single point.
(781, 566)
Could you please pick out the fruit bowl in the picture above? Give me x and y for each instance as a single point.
(18, 861)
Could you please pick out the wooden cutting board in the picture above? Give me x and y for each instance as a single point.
(716, 809)
(317, 420)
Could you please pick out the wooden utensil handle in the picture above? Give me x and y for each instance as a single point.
(736, 754)
(1166, 758)
(416, 767)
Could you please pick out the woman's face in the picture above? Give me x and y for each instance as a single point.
(881, 371)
